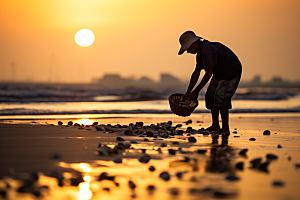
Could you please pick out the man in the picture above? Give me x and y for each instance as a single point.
(225, 68)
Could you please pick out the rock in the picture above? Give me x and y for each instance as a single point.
(128, 132)
(174, 191)
(170, 123)
(243, 152)
(192, 139)
(55, 155)
(234, 132)
(99, 128)
(145, 158)
(171, 152)
(151, 168)
(146, 139)
(180, 132)
(232, 177)
(165, 176)
(59, 123)
(164, 135)
(179, 175)
(99, 145)
(149, 133)
(279, 146)
(127, 145)
(143, 150)
(297, 165)
(201, 151)
(70, 123)
(178, 125)
(205, 132)
(255, 162)
(151, 187)
(263, 166)
(239, 165)
(278, 183)
(131, 185)
(120, 139)
(117, 160)
(163, 144)
(133, 142)
(266, 132)
(252, 139)
(88, 129)
(94, 123)
(236, 136)
(271, 156)
(175, 142)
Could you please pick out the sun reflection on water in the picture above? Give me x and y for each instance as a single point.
(84, 191)
(85, 122)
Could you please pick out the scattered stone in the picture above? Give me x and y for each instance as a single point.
(163, 144)
(151, 168)
(180, 132)
(232, 177)
(252, 139)
(278, 183)
(151, 187)
(99, 128)
(55, 155)
(279, 146)
(143, 150)
(128, 132)
(70, 123)
(236, 136)
(145, 158)
(107, 189)
(266, 132)
(146, 139)
(205, 133)
(239, 165)
(178, 125)
(120, 139)
(94, 123)
(131, 185)
(263, 166)
(234, 132)
(117, 160)
(164, 135)
(243, 152)
(141, 136)
(297, 165)
(171, 152)
(104, 176)
(165, 176)
(99, 145)
(59, 123)
(201, 151)
(255, 162)
(175, 142)
(271, 156)
(192, 139)
(88, 129)
(133, 142)
(149, 133)
(179, 175)
(174, 191)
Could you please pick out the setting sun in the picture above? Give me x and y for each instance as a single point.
(84, 37)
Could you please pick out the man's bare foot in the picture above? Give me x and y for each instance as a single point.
(213, 128)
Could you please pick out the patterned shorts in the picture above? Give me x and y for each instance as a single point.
(219, 93)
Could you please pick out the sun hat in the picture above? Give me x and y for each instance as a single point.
(186, 40)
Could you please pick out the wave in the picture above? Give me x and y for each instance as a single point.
(22, 111)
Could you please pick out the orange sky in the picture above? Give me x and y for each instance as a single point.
(140, 37)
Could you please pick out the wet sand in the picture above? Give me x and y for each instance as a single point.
(210, 173)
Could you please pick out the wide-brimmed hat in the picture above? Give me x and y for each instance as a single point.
(186, 40)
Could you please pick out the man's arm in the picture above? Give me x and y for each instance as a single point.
(194, 95)
(193, 81)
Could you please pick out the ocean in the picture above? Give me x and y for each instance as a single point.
(72, 99)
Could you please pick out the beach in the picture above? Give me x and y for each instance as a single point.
(205, 168)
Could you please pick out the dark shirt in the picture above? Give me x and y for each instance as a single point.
(224, 63)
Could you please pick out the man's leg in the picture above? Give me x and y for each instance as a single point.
(225, 121)
(215, 121)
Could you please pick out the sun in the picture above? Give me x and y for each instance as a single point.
(84, 37)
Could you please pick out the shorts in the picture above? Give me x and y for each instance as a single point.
(219, 93)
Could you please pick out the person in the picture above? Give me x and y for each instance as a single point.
(220, 63)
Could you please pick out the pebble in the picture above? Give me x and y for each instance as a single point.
(146, 139)
(267, 132)
(164, 135)
(236, 136)
(279, 146)
(55, 156)
(120, 139)
(192, 139)
(151, 168)
(232, 177)
(151, 187)
(59, 123)
(180, 132)
(179, 175)
(144, 158)
(255, 162)
(99, 145)
(252, 139)
(117, 160)
(133, 142)
(239, 165)
(201, 151)
(171, 152)
(278, 183)
(163, 144)
(165, 176)
(70, 123)
(263, 166)
(88, 129)
(271, 156)
(128, 132)
(234, 132)
(297, 165)
(175, 142)
(174, 191)
(131, 185)
(243, 152)
(99, 128)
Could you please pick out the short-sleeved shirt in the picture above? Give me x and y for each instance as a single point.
(224, 63)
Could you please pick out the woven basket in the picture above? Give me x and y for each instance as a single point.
(175, 100)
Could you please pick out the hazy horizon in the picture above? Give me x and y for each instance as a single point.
(140, 38)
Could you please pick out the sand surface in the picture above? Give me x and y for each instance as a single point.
(27, 148)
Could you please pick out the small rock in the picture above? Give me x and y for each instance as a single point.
(146, 139)
(192, 139)
(131, 185)
(179, 175)
(59, 123)
(175, 142)
(88, 129)
(174, 191)
(271, 156)
(99, 128)
(163, 144)
(243, 152)
(266, 132)
(151, 187)
(252, 139)
(239, 165)
(171, 152)
(120, 139)
(178, 125)
(70, 123)
(255, 162)
(279, 146)
(144, 158)
(164, 135)
(263, 166)
(234, 132)
(55, 156)
(180, 132)
(118, 160)
(151, 168)
(201, 151)
(128, 132)
(297, 165)
(236, 136)
(278, 183)
(133, 142)
(99, 145)
(165, 176)
(232, 177)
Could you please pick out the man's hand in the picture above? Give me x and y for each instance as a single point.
(185, 96)
(194, 95)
